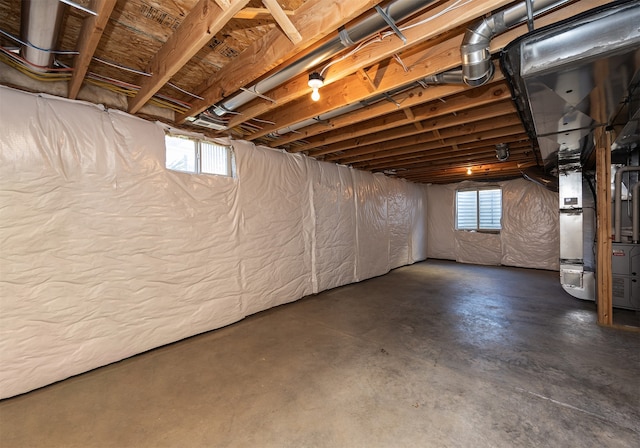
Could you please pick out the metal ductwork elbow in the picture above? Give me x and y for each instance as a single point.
(477, 68)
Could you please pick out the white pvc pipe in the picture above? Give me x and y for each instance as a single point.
(617, 214)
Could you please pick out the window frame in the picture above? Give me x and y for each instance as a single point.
(230, 156)
(477, 226)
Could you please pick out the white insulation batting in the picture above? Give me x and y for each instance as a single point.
(529, 236)
(106, 254)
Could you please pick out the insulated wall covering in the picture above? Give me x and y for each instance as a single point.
(529, 237)
(105, 253)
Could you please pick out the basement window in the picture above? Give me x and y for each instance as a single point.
(198, 156)
(479, 209)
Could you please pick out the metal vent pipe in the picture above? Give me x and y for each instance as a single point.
(477, 68)
(40, 25)
(398, 10)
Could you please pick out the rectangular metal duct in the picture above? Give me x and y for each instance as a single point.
(569, 79)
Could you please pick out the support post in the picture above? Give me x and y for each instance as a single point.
(603, 227)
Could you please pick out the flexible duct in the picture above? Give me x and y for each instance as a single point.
(636, 213)
(39, 27)
(398, 10)
(477, 68)
(617, 214)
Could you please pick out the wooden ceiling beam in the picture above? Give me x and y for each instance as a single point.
(449, 126)
(518, 141)
(469, 99)
(409, 152)
(479, 172)
(350, 90)
(196, 30)
(257, 14)
(440, 57)
(90, 34)
(281, 18)
(412, 97)
(373, 53)
(479, 155)
(314, 20)
(476, 132)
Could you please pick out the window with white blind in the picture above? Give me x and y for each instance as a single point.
(198, 156)
(479, 209)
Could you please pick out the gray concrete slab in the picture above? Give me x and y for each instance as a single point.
(436, 354)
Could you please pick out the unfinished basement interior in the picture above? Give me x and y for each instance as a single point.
(319, 223)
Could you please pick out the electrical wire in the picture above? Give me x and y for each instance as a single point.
(28, 44)
(185, 91)
(456, 5)
(381, 36)
(22, 60)
(65, 73)
(120, 66)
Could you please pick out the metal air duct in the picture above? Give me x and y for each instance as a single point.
(396, 11)
(40, 25)
(556, 74)
(477, 68)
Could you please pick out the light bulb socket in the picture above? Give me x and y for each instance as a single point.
(315, 80)
(502, 152)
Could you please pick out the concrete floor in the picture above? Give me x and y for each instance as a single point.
(431, 355)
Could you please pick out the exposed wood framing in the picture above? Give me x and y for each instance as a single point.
(412, 97)
(450, 126)
(223, 4)
(453, 105)
(257, 13)
(282, 19)
(92, 29)
(603, 227)
(435, 58)
(426, 132)
(202, 23)
(476, 132)
(315, 20)
(371, 54)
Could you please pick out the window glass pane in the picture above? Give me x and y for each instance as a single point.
(215, 158)
(181, 154)
(466, 210)
(490, 209)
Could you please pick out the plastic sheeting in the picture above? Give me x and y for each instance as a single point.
(529, 236)
(106, 254)
(530, 226)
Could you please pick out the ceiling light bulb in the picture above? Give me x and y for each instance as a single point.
(315, 82)
(469, 170)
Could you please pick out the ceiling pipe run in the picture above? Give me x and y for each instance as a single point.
(40, 26)
(477, 68)
(396, 11)
(345, 109)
